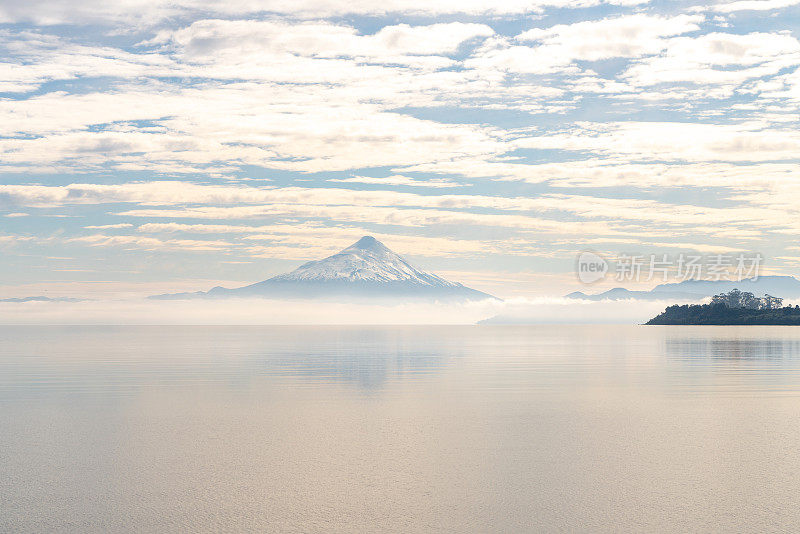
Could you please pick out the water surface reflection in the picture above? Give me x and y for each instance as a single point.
(457, 429)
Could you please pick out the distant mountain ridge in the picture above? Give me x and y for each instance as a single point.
(366, 269)
(41, 299)
(695, 290)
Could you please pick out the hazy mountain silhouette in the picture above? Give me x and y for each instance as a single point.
(41, 299)
(779, 286)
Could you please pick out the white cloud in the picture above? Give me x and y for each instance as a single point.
(717, 59)
(608, 216)
(134, 242)
(752, 5)
(783, 90)
(109, 226)
(556, 48)
(620, 170)
(238, 41)
(627, 36)
(677, 141)
(397, 180)
(149, 12)
(275, 126)
(314, 240)
(32, 58)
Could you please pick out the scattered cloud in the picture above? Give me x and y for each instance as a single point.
(397, 180)
(109, 226)
(252, 134)
(628, 36)
(152, 12)
(753, 5)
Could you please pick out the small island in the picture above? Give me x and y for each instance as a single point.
(733, 308)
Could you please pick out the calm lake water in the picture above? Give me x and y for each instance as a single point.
(407, 429)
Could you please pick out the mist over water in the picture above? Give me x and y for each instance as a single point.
(474, 428)
(262, 311)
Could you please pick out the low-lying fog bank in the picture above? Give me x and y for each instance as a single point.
(264, 311)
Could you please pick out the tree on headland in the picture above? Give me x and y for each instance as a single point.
(739, 299)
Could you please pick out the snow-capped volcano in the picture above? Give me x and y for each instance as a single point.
(365, 269)
(366, 260)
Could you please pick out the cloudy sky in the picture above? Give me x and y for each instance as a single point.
(148, 146)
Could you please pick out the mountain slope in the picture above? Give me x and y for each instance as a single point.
(366, 269)
(367, 260)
